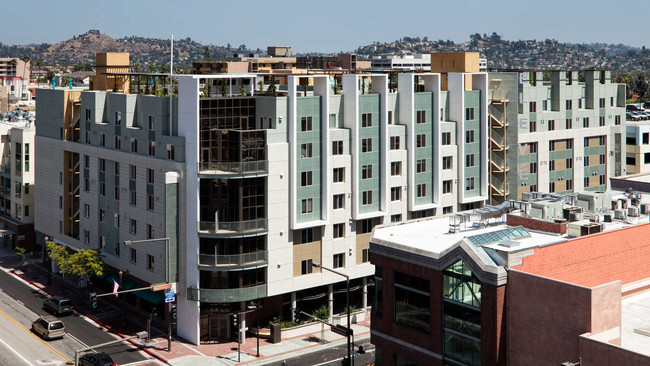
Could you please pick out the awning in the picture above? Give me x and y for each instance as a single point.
(154, 297)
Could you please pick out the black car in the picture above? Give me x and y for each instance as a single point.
(96, 359)
(58, 305)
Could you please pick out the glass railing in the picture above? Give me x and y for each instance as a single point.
(212, 260)
(233, 227)
(242, 167)
(226, 295)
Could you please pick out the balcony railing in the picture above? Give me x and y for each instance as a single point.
(236, 260)
(233, 228)
(226, 295)
(243, 167)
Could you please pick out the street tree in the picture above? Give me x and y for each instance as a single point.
(80, 264)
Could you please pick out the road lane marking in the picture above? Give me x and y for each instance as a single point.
(34, 335)
(16, 353)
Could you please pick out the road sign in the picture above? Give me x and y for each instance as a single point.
(339, 329)
(161, 286)
(170, 295)
(20, 237)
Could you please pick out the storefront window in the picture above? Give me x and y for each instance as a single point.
(412, 301)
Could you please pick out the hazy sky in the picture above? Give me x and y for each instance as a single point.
(330, 26)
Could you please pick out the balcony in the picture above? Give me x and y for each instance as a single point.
(232, 229)
(243, 169)
(233, 262)
(226, 295)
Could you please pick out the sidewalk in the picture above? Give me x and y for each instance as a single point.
(109, 316)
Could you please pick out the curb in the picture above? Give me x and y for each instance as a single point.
(95, 320)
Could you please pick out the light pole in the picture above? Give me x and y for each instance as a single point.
(121, 273)
(257, 306)
(167, 280)
(49, 263)
(347, 303)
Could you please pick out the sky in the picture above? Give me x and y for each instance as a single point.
(333, 25)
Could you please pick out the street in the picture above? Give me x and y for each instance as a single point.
(332, 356)
(80, 333)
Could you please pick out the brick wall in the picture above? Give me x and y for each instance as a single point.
(535, 224)
(595, 259)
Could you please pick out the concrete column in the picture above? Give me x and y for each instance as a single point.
(294, 302)
(330, 298)
(364, 298)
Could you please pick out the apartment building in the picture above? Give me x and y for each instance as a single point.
(552, 279)
(554, 135)
(637, 147)
(15, 78)
(253, 188)
(17, 182)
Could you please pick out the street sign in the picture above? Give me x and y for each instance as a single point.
(170, 295)
(339, 329)
(161, 286)
(20, 237)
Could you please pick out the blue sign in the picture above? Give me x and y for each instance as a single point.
(170, 295)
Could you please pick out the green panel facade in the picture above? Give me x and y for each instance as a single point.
(370, 106)
(309, 135)
(423, 114)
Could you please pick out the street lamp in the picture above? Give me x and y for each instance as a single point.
(121, 274)
(167, 280)
(257, 306)
(347, 303)
(49, 263)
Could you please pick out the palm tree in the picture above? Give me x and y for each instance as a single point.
(25, 59)
(39, 64)
(13, 63)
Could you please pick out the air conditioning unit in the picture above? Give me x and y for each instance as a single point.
(633, 211)
(619, 214)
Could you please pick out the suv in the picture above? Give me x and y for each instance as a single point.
(48, 327)
(96, 359)
(58, 305)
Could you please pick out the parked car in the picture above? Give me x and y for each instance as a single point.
(48, 327)
(58, 305)
(646, 105)
(96, 359)
(631, 108)
(631, 117)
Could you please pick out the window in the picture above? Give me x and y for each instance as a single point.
(132, 172)
(132, 197)
(533, 187)
(150, 202)
(333, 123)
(551, 124)
(447, 210)
(307, 205)
(152, 122)
(149, 231)
(116, 248)
(118, 142)
(469, 186)
(412, 301)
(390, 117)
(152, 148)
(86, 236)
(133, 226)
(150, 176)
(102, 139)
(532, 126)
(446, 138)
(568, 163)
(337, 147)
(102, 165)
(26, 188)
(601, 121)
(421, 190)
(171, 152)
(150, 262)
(102, 189)
(545, 105)
(305, 124)
(585, 122)
(601, 180)
(26, 157)
(306, 236)
(601, 140)
(339, 201)
(365, 255)
(395, 193)
(601, 159)
(366, 120)
(86, 210)
(338, 230)
(134, 145)
(586, 181)
(116, 192)
(306, 150)
(551, 146)
(580, 103)
(533, 168)
(306, 179)
(469, 114)
(421, 140)
(366, 198)
(551, 165)
(394, 142)
(569, 104)
(617, 120)
(338, 175)
(601, 103)
(646, 138)
(586, 161)
(116, 168)
(306, 266)
(447, 162)
(421, 117)
(338, 260)
(133, 257)
(469, 136)
(87, 137)
(366, 171)
(532, 107)
(102, 215)
(88, 115)
(116, 220)
(469, 160)
(366, 226)
(611, 101)
(568, 123)
(446, 186)
(569, 184)
(396, 168)
(421, 165)
(118, 118)
(366, 145)
(396, 218)
(551, 187)
(102, 242)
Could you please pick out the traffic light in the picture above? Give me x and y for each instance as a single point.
(235, 320)
(172, 312)
(93, 300)
(296, 315)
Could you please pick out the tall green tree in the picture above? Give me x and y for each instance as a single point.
(79, 264)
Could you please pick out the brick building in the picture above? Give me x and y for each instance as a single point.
(561, 280)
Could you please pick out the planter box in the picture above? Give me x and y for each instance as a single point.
(301, 330)
(342, 319)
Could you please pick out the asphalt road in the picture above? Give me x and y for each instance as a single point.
(80, 331)
(332, 356)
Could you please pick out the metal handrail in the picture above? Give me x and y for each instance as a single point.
(235, 167)
(233, 226)
(233, 259)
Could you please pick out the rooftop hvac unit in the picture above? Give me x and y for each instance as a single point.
(575, 216)
(619, 214)
(633, 211)
(584, 229)
(607, 218)
(645, 208)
